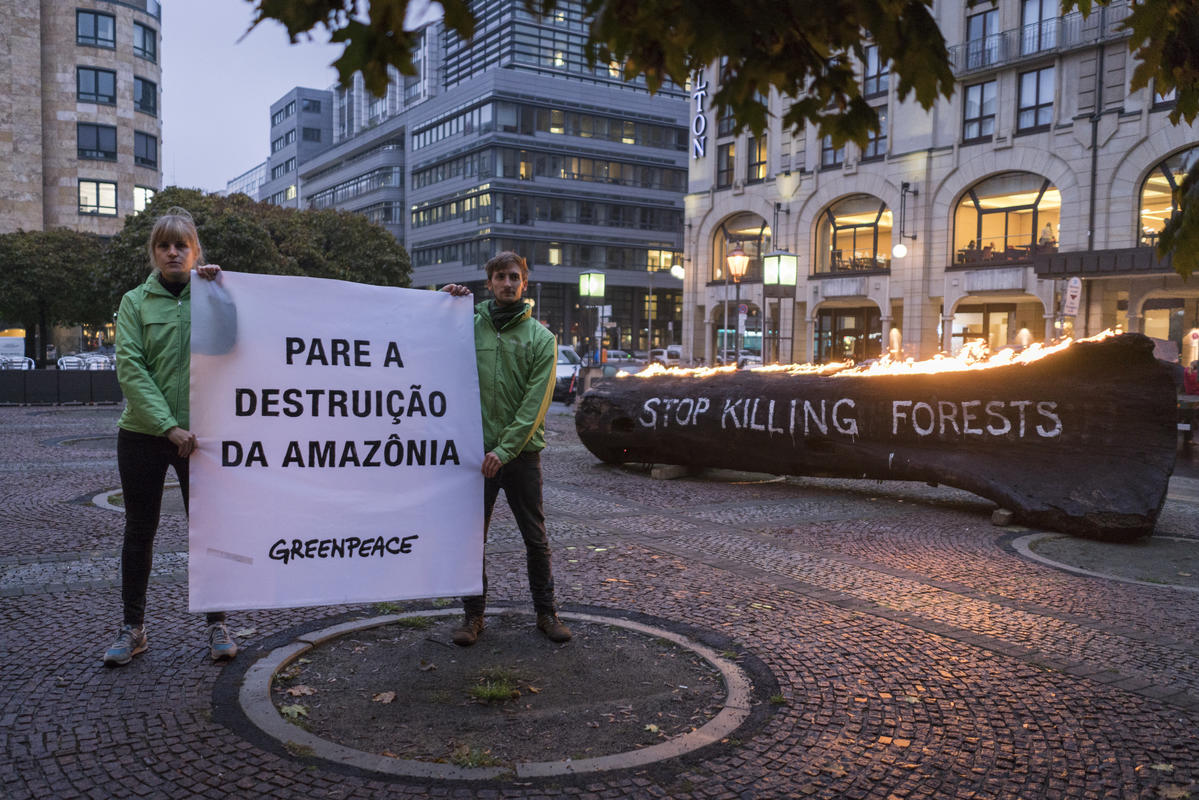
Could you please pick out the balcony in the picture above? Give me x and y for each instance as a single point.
(1048, 37)
(1126, 261)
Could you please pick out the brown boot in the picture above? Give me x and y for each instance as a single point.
(468, 632)
(552, 627)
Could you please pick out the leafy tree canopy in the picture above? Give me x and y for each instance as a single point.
(50, 278)
(800, 48)
(245, 236)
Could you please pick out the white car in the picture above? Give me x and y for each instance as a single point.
(566, 373)
(671, 356)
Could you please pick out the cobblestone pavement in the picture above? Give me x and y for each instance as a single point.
(917, 653)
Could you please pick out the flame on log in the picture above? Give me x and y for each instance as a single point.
(1082, 441)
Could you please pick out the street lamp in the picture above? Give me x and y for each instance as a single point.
(900, 249)
(779, 269)
(591, 286)
(738, 263)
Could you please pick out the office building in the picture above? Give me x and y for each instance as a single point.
(80, 146)
(964, 222)
(512, 141)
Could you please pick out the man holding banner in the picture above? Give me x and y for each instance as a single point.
(516, 357)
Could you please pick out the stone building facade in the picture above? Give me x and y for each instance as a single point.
(82, 145)
(1043, 167)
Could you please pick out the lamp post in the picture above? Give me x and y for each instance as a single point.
(591, 286)
(738, 263)
(900, 249)
(779, 269)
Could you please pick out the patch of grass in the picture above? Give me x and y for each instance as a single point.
(494, 691)
(730, 654)
(778, 700)
(444, 602)
(467, 756)
(415, 623)
(387, 608)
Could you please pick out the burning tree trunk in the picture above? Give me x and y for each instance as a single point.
(1081, 441)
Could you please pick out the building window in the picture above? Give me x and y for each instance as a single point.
(280, 170)
(94, 28)
(145, 42)
(726, 123)
(726, 156)
(311, 134)
(983, 41)
(1039, 26)
(96, 86)
(1167, 99)
(1036, 100)
(1157, 193)
(283, 113)
(308, 104)
(978, 115)
(854, 235)
(752, 234)
(145, 96)
(830, 156)
(97, 142)
(98, 197)
(1007, 219)
(142, 195)
(145, 150)
(756, 166)
(875, 74)
(876, 144)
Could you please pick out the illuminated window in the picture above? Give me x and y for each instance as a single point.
(854, 235)
(756, 165)
(1006, 219)
(748, 231)
(1157, 193)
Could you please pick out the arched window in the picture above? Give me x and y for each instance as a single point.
(1157, 193)
(752, 233)
(854, 235)
(1006, 219)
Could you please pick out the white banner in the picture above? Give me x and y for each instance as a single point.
(340, 444)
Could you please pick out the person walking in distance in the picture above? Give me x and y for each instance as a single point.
(153, 334)
(516, 357)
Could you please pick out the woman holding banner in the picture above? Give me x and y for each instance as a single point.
(153, 336)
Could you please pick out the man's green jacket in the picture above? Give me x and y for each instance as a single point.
(153, 351)
(516, 381)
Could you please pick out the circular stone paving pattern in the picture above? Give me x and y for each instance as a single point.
(393, 695)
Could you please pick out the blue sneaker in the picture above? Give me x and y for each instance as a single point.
(130, 641)
(220, 644)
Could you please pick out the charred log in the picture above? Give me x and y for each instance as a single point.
(1082, 441)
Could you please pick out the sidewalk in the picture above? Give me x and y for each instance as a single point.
(916, 650)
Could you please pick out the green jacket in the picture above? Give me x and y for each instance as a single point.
(153, 352)
(516, 381)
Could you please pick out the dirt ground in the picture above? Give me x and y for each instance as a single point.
(404, 690)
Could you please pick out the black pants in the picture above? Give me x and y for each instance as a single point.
(143, 460)
(520, 479)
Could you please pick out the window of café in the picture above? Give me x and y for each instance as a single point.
(854, 235)
(749, 231)
(853, 334)
(1157, 193)
(1006, 219)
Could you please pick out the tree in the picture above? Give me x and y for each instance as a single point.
(49, 278)
(805, 50)
(245, 236)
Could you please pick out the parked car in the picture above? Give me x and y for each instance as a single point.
(619, 356)
(566, 383)
(670, 356)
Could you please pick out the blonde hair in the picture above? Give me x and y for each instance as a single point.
(176, 224)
